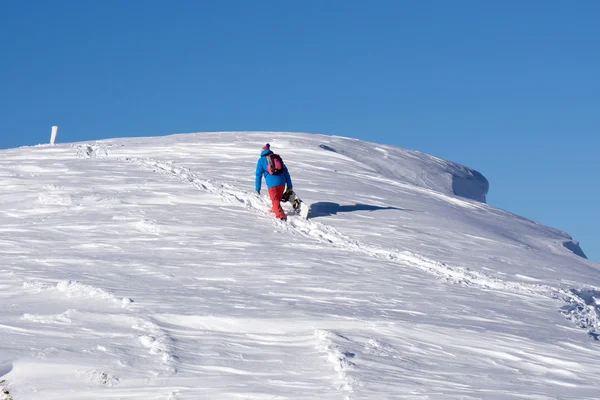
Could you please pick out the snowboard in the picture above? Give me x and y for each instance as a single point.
(298, 205)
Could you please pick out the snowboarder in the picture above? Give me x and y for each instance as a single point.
(277, 177)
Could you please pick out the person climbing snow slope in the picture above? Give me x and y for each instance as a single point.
(271, 166)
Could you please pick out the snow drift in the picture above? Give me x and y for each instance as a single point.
(414, 168)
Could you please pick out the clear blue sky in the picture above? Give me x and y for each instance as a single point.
(510, 88)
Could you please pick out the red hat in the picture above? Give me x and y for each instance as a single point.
(267, 146)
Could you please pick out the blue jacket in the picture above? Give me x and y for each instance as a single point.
(262, 168)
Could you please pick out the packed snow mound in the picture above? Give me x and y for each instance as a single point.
(149, 268)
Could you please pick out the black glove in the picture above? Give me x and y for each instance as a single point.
(286, 195)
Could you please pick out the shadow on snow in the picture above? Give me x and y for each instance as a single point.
(324, 209)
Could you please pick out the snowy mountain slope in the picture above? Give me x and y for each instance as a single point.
(147, 268)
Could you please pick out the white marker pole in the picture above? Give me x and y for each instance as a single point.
(53, 136)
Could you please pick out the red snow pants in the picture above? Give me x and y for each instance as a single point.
(275, 193)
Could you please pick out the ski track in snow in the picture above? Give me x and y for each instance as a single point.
(581, 310)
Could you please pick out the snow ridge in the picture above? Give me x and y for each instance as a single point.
(157, 342)
(339, 359)
(575, 308)
(76, 289)
(57, 319)
(97, 150)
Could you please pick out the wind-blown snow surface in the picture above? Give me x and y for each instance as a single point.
(148, 269)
